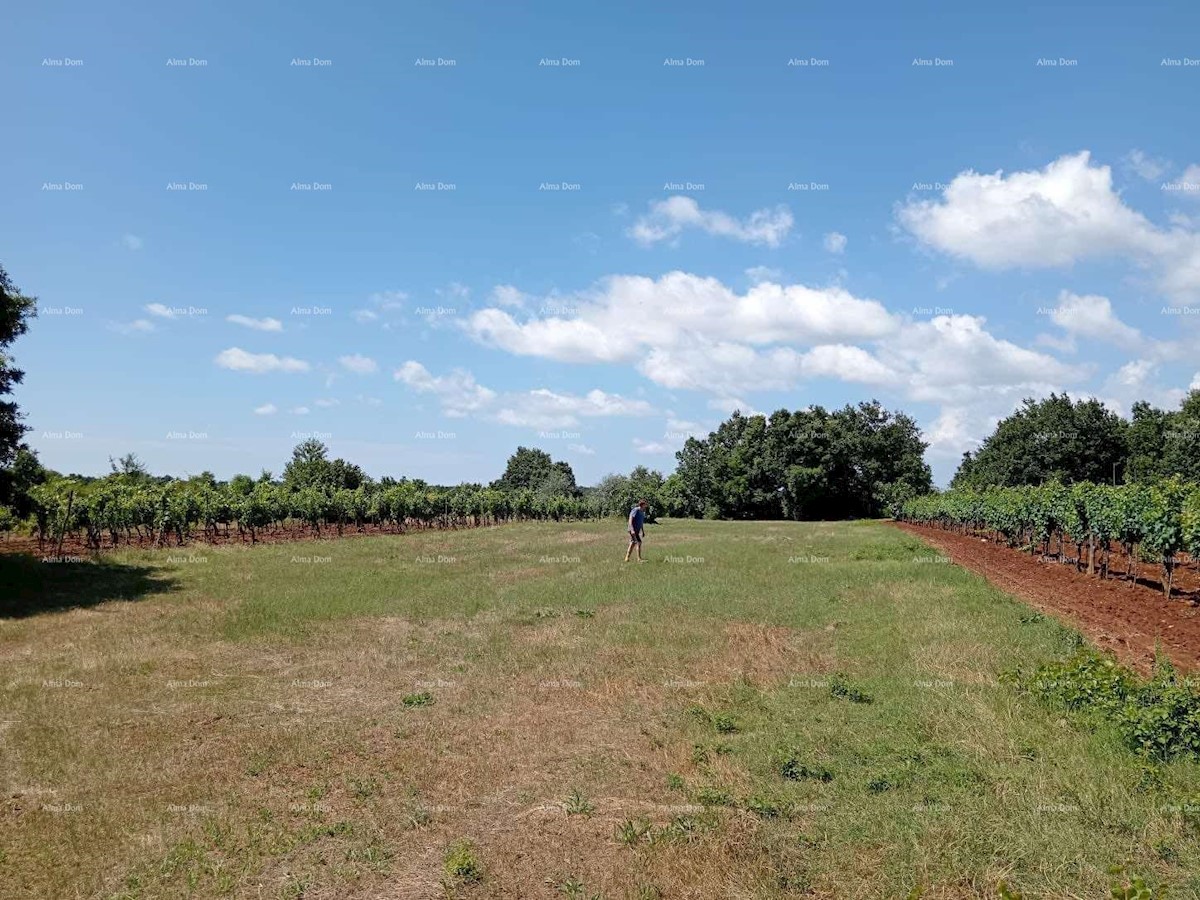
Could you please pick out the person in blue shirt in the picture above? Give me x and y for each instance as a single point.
(637, 522)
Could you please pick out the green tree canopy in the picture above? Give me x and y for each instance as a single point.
(15, 312)
(807, 464)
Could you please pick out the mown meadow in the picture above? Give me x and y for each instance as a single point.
(760, 710)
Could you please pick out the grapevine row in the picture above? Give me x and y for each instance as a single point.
(108, 513)
(1160, 521)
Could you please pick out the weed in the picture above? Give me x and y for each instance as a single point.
(578, 805)
(793, 768)
(632, 832)
(841, 688)
(461, 864)
(424, 698)
(712, 796)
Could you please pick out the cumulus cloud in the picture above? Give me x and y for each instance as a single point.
(300, 411)
(685, 332)
(458, 392)
(267, 409)
(161, 310)
(835, 242)
(359, 365)
(239, 360)
(131, 242)
(460, 395)
(1054, 217)
(264, 324)
(1091, 316)
(626, 315)
(955, 359)
(669, 218)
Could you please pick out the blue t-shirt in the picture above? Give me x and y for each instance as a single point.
(638, 515)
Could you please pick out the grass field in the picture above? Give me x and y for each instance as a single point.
(760, 710)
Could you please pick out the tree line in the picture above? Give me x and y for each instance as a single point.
(1065, 440)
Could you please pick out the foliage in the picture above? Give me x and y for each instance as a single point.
(1159, 717)
(808, 464)
(1057, 439)
(1160, 520)
(15, 312)
(532, 469)
(129, 506)
(461, 864)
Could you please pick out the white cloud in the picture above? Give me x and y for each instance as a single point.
(1145, 166)
(1092, 316)
(458, 392)
(1195, 385)
(668, 219)
(267, 409)
(1190, 182)
(161, 310)
(461, 395)
(453, 291)
(381, 302)
(582, 449)
(131, 242)
(652, 448)
(324, 403)
(264, 324)
(758, 274)
(507, 295)
(360, 365)
(835, 242)
(954, 360)
(1054, 217)
(626, 315)
(238, 360)
(137, 326)
(300, 411)
(728, 405)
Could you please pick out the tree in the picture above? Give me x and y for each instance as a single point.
(16, 481)
(532, 468)
(1055, 439)
(15, 312)
(130, 468)
(808, 464)
(309, 466)
(1147, 442)
(1181, 450)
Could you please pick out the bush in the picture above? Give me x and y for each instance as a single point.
(1158, 718)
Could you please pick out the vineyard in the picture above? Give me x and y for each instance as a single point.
(109, 512)
(1157, 523)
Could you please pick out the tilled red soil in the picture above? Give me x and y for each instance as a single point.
(1116, 614)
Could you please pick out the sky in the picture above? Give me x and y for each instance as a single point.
(399, 228)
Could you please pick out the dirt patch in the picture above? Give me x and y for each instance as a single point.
(1127, 618)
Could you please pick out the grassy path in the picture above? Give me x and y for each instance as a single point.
(761, 710)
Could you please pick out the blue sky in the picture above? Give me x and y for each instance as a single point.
(970, 233)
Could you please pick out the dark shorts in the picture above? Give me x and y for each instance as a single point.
(635, 537)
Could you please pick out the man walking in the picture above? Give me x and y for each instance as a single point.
(637, 522)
